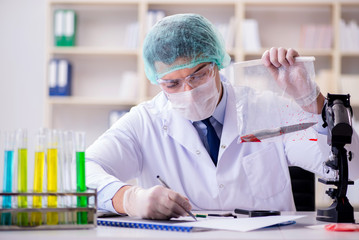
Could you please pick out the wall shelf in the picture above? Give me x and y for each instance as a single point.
(93, 51)
(91, 101)
(101, 58)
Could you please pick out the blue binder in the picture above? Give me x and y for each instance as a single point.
(64, 78)
(60, 74)
(52, 77)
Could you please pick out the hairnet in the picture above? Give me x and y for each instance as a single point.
(182, 41)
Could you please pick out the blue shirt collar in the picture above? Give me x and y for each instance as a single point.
(221, 107)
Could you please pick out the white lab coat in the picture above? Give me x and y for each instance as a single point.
(154, 140)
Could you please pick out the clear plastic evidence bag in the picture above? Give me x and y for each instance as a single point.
(275, 103)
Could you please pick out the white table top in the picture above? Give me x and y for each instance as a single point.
(300, 230)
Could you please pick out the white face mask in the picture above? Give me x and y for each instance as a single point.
(196, 104)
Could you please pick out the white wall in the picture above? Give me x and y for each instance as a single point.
(22, 73)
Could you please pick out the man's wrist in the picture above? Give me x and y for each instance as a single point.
(117, 200)
(317, 106)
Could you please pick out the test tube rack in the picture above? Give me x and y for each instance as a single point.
(66, 214)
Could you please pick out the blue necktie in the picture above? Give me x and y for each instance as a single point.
(213, 141)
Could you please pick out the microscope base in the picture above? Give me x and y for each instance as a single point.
(341, 211)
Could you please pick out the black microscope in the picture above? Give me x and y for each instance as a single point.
(337, 116)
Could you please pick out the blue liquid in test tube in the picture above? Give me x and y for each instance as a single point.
(8, 176)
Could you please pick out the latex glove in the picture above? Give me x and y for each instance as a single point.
(155, 203)
(292, 77)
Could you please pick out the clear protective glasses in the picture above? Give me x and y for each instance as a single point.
(199, 77)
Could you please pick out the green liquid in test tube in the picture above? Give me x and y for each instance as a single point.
(52, 218)
(22, 217)
(8, 175)
(36, 217)
(80, 176)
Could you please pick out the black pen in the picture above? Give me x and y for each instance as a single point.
(165, 185)
(221, 215)
(204, 215)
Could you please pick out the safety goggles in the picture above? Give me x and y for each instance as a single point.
(199, 77)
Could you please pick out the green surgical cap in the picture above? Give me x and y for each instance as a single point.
(182, 41)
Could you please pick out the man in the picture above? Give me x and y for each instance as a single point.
(166, 136)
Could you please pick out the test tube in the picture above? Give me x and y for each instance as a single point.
(68, 171)
(80, 175)
(69, 151)
(22, 217)
(9, 147)
(61, 201)
(52, 218)
(36, 217)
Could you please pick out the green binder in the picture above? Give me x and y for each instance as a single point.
(70, 28)
(64, 28)
(58, 27)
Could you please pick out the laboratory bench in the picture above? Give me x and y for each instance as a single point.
(304, 228)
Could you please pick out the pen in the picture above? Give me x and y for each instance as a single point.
(165, 185)
(204, 215)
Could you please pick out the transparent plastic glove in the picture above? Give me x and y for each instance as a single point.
(296, 82)
(155, 203)
(293, 74)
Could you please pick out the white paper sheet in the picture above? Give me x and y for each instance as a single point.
(240, 224)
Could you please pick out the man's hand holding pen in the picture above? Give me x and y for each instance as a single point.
(158, 202)
(166, 185)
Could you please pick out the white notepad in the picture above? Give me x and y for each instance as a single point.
(241, 224)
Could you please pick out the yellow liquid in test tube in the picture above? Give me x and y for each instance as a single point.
(52, 217)
(22, 186)
(36, 217)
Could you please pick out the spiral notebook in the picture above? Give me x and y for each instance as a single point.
(143, 224)
(185, 224)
